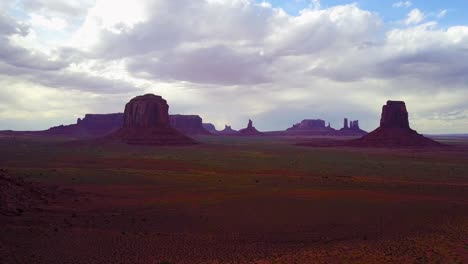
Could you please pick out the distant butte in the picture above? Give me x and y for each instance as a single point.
(146, 122)
(210, 128)
(394, 130)
(250, 130)
(228, 131)
(188, 124)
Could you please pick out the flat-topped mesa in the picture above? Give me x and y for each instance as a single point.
(250, 130)
(146, 122)
(91, 126)
(394, 115)
(104, 121)
(310, 127)
(309, 124)
(188, 124)
(345, 123)
(394, 130)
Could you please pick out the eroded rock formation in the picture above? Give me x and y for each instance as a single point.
(228, 130)
(146, 122)
(394, 130)
(210, 128)
(352, 129)
(250, 130)
(188, 124)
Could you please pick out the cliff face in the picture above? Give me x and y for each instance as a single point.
(394, 115)
(146, 122)
(188, 124)
(210, 128)
(394, 130)
(147, 111)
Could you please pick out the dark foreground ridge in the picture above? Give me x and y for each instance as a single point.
(146, 122)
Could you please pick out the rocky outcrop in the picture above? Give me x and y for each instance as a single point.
(352, 129)
(210, 128)
(92, 125)
(345, 123)
(188, 124)
(394, 130)
(228, 131)
(18, 196)
(250, 130)
(146, 122)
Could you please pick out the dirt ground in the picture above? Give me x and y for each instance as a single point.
(234, 200)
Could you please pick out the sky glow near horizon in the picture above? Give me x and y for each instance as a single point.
(275, 62)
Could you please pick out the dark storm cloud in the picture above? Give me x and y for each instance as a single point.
(214, 65)
(40, 68)
(9, 26)
(172, 24)
(18, 56)
(70, 80)
(443, 66)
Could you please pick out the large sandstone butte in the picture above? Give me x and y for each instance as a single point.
(188, 124)
(394, 130)
(250, 130)
(146, 122)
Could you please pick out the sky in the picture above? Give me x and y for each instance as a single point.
(276, 62)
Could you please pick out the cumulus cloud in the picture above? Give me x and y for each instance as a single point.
(415, 16)
(230, 60)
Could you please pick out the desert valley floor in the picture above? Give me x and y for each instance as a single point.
(233, 200)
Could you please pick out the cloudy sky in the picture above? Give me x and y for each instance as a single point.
(274, 61)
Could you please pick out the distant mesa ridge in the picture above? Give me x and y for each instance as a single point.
(188, 124)
(318, 127)
(92, 125)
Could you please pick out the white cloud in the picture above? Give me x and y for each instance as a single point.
(230, 60)
(442, 13)
(415, 16)
(48, 23)
(402, 4)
